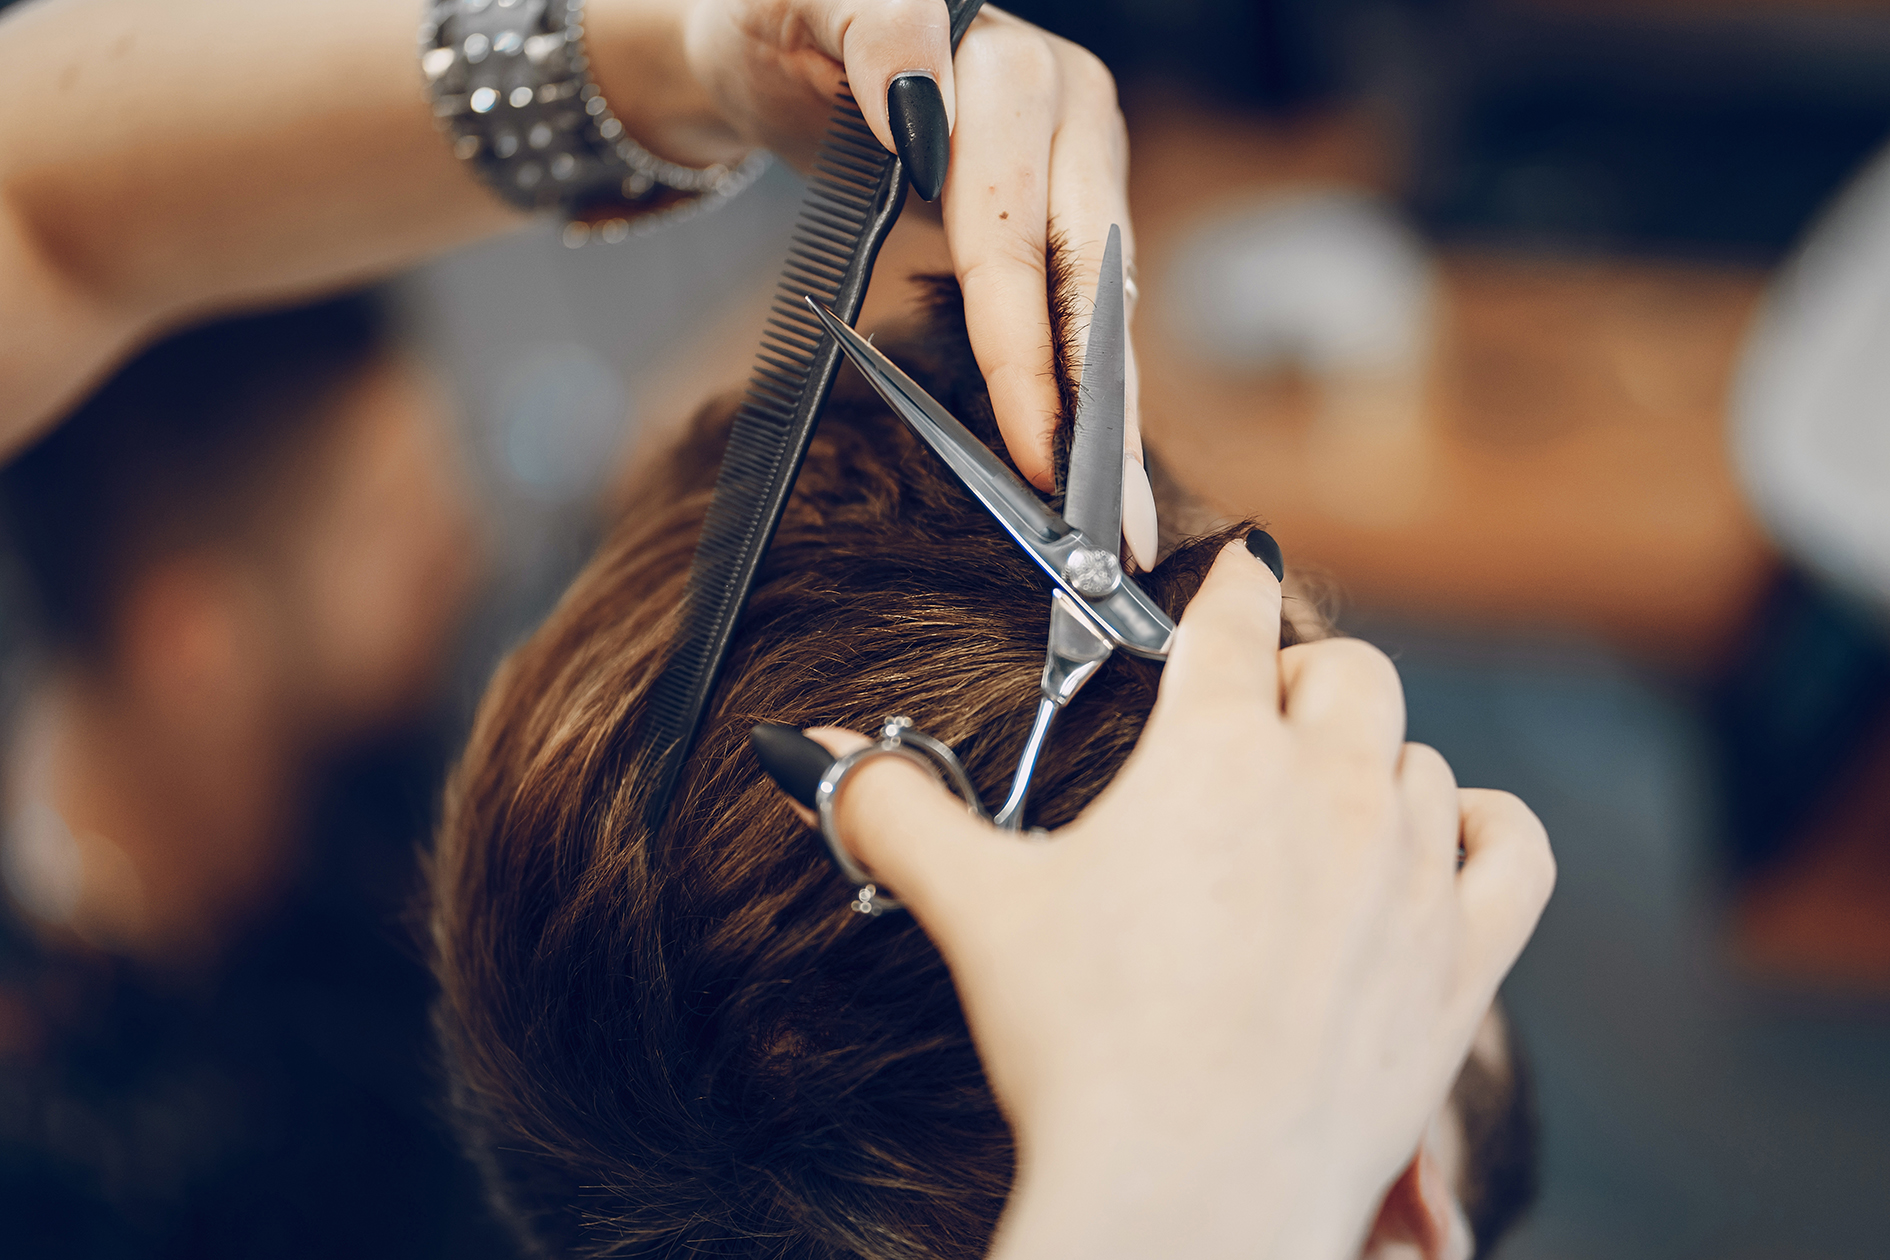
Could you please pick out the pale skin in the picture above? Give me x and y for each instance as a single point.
(1224, 1004)
(219, 153)
(1228, 1043)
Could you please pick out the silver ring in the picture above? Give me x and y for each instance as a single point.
(897, 733)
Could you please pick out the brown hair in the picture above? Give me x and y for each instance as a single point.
(686, 1043)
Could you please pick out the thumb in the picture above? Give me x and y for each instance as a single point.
(919, 842)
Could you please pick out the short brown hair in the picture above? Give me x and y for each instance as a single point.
(685, 1042)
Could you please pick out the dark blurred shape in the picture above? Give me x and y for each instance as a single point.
(1668, 129)
(187, 444)
(1675, 129)
(1631, 170)
(1496, 1105)
(1273, 55)
(1817, 916)
(280, 1105)
(1795, 711)
(249, 553)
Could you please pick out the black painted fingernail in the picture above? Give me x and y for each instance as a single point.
(915, 110)
(1264, 549)
(791, 759)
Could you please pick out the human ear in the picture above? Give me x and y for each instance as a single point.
(1420, 1218)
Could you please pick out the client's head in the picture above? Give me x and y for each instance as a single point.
(683, 1041)
(267, 505)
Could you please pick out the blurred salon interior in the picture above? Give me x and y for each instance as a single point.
(1545, 332)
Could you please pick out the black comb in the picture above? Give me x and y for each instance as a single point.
(853, 200)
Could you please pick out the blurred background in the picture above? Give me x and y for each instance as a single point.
(1553, 337)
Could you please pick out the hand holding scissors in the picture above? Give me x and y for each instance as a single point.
(1221, 1006)
(1095, 607)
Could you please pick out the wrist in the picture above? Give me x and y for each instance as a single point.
(1101, 1190)
(639, 61)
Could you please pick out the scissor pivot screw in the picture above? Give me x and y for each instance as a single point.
(1093, 573)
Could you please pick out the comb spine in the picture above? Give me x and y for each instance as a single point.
(856, 192)
(717, 590)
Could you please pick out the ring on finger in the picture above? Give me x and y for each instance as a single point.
(895, 736)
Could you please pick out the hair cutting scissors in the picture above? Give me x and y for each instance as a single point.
(1095, 607)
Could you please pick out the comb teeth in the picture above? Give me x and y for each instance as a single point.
(852, 201)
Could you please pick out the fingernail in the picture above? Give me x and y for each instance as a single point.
(1139, 525)
(1264, 549)
(795, 762)
(915, 109)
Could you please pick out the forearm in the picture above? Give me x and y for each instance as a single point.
(183, 157)
(1114, 1183)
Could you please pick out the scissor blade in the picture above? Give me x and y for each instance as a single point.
(1126, 617)
(1014, 505)
(1093, 501)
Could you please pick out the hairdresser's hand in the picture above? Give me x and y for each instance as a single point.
(1035, 140)
(256, 180)
(1221, 1006)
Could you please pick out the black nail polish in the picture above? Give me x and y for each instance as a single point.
(791, 759)
(915, 109)
(1264, 549)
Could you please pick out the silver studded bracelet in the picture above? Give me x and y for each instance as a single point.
(511, 87)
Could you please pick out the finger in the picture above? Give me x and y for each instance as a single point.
(880, 40)
(996, 212)
(1141, 527)
(1226, 649)
(1508, 874)
(1089, 192)
(1089, 183)
(916, 838)
(1345, 690)
(1429, 789)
